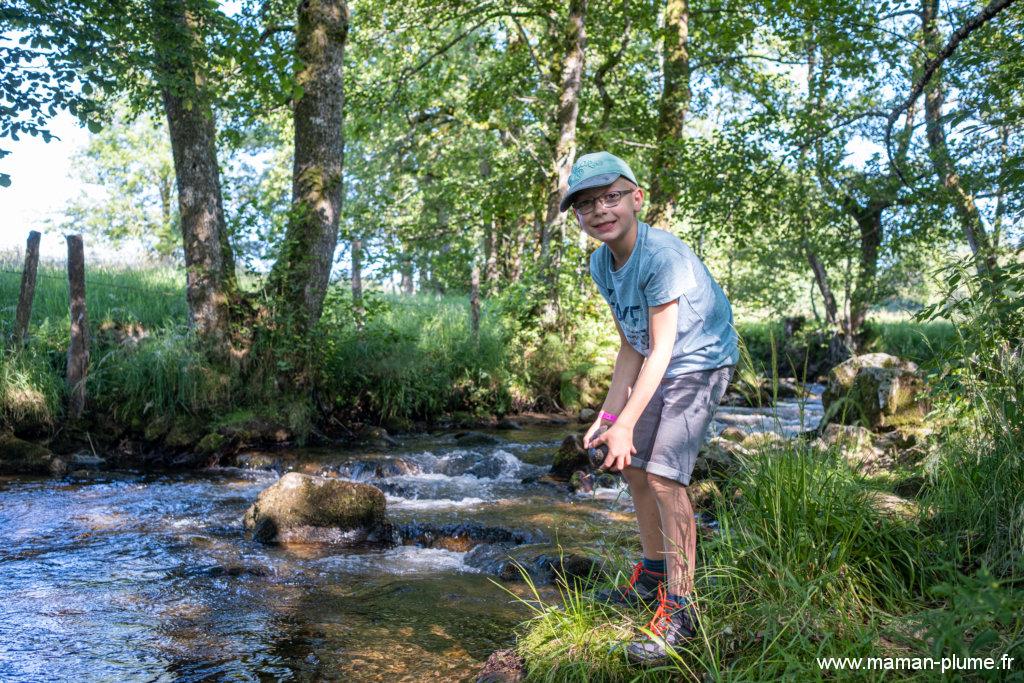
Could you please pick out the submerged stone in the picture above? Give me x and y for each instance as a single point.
(475, 439)
(300, 508)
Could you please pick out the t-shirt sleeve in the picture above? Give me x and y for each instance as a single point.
(669, 275)
(595, 270)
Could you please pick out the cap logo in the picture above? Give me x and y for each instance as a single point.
(578, 170)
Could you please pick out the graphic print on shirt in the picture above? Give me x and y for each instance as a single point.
(632, 320)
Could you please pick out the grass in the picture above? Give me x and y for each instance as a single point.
(411, 358)
(153, 297)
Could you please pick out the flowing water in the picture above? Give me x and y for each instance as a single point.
(119, 576)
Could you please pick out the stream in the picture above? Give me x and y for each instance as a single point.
(117, 576)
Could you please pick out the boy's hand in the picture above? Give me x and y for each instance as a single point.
(620, 447)
(593, 432)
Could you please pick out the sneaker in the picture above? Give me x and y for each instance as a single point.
(671, 625)
(642, 589)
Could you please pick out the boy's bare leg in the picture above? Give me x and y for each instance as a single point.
(680, 529)
(648, 517)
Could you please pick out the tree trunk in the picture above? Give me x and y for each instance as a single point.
(208, 260)
(474, 300)
(408, 285)
(302, 272)
(672, 111)
(942, 160)
(821, 278)
(357, 281)
(569, 73)
(491, 254)
(869, 223)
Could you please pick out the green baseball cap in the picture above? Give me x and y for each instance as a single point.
(595, 170)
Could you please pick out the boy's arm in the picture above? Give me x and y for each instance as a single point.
(628, 362)
(627, 366)
(663, 324)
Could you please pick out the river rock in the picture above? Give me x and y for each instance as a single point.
(734, 434)
(718, 458)
(856, 445)
(703, 494)
(587, 415)
(874, 390)
(475, 439)
(759, 441)
(300, 508)
(503, 666)
(24, 457)
(571, 456)
(464, 536)
(507, 423)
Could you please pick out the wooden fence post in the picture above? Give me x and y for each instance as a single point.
(28, 289)
(78, 349)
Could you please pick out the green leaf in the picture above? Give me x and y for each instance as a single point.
(5, 180)
(94, 126)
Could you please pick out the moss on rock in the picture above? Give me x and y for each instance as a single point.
(306, 509)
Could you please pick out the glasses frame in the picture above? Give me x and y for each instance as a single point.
(591, 204)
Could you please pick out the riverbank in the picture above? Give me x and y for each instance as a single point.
(401, 364)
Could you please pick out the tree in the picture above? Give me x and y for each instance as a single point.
(129, 165)
(302, 271)
(209, 262)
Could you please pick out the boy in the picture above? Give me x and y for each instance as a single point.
(676, 354)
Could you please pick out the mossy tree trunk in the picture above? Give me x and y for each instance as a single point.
(672, 110)
(568, 72)
(209, 261)
(950, 181)
(300, 276)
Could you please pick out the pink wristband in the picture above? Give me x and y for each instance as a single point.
(609, 416)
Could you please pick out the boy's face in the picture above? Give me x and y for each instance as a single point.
(607, 224)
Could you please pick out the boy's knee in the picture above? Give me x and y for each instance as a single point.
(634, 476)
(663, 486)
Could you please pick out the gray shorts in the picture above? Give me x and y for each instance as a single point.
(671, 429)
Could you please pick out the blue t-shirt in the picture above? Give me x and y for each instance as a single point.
(659, 270)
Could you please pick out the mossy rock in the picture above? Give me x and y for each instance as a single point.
(300, 508)
(571, 456)
(252, 427)
(718, 459)
(153, 430)
(397, 424)
(184, 432)
(24, 457)
(704, 495)
(876, 391)
(211, 443)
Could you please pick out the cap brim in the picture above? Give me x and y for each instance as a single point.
(594, 181)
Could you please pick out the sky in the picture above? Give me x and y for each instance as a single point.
(41, 185)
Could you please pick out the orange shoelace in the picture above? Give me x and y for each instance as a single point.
(663, 615)
(638, 569)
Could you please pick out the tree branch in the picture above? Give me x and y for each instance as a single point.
(932, 65)
(607, 103)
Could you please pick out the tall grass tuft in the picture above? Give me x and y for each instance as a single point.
(415, 358)
(978, 473)
(31, 390)
(164, 375)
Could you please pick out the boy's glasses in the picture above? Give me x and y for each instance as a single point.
(608, 200)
